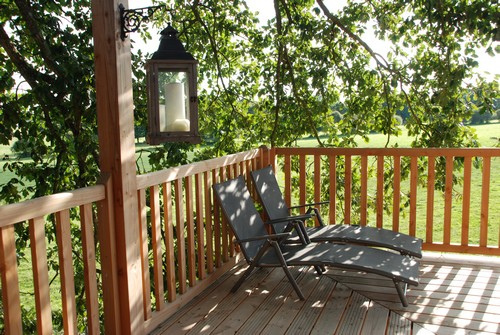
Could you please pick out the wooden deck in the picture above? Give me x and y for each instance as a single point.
(457, 295)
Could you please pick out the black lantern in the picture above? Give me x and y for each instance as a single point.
(172, 92)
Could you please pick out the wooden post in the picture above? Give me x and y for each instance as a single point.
(115, 117)
(264, 156)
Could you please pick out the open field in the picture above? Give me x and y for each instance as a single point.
(488, 136)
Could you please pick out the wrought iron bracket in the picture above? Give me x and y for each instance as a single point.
(131, 19)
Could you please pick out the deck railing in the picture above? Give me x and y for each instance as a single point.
(186, 245)
(446, 229)
(184, 241)
(35, 213)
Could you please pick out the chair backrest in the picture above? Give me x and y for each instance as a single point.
(241, 214)
(270, 196)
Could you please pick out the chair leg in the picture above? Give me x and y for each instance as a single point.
(317, 214)
(319, 269)
(402, 292)
(244, 276)
(303, 230)
(287, 271)
(252, 265)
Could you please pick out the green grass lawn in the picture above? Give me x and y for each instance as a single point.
(488, 136)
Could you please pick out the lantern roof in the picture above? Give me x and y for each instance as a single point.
(171, 47)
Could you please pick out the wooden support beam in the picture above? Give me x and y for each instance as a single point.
(115, 117)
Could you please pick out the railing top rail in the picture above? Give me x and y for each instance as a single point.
(171, 174)
(34, 208)
(433, 152)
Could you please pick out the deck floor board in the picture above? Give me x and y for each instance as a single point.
(452, 298)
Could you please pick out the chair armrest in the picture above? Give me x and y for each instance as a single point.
(295, 222)
(311, 204)
(291, 218)
(272, 237)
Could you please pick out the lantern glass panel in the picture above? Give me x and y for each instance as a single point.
(173, 87)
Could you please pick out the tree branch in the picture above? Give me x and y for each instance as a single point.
(215, 50)
(296, 93)
(277, 106)
(335, 20)
(29, 74)
(33, 77)
(379, 59)
(27, 14)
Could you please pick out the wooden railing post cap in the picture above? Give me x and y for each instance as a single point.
(264, 147)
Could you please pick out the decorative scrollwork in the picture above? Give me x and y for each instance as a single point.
(131, 19)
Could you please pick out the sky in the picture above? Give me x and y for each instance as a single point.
(487, 63)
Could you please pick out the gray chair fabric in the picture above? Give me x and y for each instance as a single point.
(276, 209)
(261, 249)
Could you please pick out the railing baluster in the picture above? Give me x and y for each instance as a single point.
(11, 301)
(485, 199)
(302, 182)
(250, 167)
(224, 225)
(233, 172)
(143, 229)
(447, 200)
(380, 191)
(413, 195)
(200, 232)
(348, 189)
(466, 201)
(364, 191)
(89, 265)
(288, 180)
(208, 223)
(181, 240)
(191, 255)
(169, 241)
(431, 172)
(241, 167)
(63, 229)
(396, 196)
(317, 182)
(156, 244)
(217, 223)
(333, 187)
(40, 275)
(246, 169)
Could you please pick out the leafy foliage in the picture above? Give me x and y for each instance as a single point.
(52, 111)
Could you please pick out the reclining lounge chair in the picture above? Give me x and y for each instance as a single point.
(276, 209)
(263, 250)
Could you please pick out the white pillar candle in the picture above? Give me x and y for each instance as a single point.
(175, 107)
(163, 121)
(180, 125)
